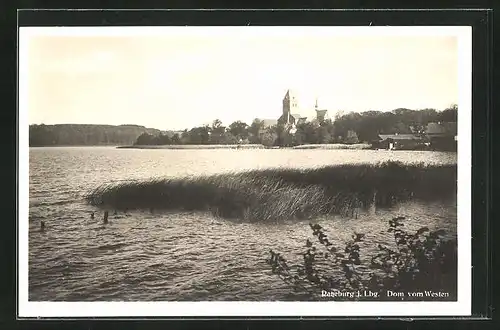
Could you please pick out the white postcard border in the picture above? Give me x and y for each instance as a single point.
(462, 307)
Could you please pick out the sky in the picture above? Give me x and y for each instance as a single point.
(189, 76)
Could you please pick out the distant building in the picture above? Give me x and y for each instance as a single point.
(321, 115)
(442, 136)
(448, 129)
(400, 141)
(291, 114)
(437, 136)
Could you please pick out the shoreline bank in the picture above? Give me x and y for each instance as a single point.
(361, 146)
(195, 146)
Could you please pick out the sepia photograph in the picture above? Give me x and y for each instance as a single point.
(232, 171)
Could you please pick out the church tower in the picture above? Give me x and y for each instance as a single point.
(290, 106)
(320, 114)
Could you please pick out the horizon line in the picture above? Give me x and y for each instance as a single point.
(240, 120)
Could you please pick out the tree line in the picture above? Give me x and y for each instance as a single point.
(76, 134)
(347, 128)
(352, 127)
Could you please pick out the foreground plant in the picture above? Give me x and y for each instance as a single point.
(418, 266)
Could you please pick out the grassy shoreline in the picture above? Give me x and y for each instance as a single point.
(338, 146)
(195, 146)
(278, 194)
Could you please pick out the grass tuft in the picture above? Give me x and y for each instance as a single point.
(277, 194)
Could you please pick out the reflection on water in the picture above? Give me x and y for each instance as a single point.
(179, 256)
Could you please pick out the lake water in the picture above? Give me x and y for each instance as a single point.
(140, 256)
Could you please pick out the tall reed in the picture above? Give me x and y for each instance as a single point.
(274, 194)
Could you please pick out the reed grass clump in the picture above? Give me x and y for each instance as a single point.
(275, 194)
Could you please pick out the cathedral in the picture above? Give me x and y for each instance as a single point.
(292, 115)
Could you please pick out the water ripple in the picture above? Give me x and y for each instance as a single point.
(139, 256)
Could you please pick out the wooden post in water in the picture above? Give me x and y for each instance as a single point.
(106, 213)
(373, 204)
(42, 225)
